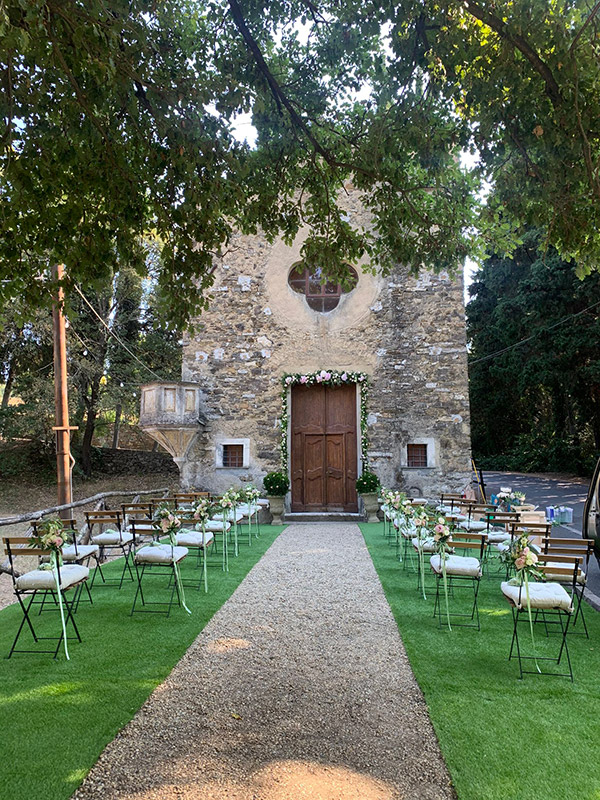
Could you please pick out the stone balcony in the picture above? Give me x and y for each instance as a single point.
(170, 413)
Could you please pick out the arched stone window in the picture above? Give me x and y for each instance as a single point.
(320, 295)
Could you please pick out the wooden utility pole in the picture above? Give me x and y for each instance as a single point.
(62, 428)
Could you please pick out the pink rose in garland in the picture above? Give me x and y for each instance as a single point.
(303, 379)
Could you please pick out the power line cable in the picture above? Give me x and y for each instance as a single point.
(114, 335)
(529, 338)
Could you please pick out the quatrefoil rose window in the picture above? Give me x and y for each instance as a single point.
(321, 295)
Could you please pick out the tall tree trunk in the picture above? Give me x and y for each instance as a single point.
(90, 426)
(118, 410)
(9, 384)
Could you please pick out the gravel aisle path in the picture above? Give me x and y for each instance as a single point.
(297, 689)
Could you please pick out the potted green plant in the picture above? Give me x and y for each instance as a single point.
(368, 486)
(276, 486)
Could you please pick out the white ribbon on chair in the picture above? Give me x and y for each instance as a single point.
(56, 573)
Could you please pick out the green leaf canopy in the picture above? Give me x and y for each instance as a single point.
(118, 120)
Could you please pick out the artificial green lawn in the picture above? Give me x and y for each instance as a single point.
(502, 738)
(58, 715)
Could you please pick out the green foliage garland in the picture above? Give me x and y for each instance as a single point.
(328, 377)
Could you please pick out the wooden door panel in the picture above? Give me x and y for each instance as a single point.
(314, 471)
(340, 409)
(309, 409)
(335, 489)
(323, 448)
(297, 471)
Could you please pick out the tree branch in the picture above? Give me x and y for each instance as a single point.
(523, 46)
(280, 97)
(591, 16)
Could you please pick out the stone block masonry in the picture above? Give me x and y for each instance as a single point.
(406, 333)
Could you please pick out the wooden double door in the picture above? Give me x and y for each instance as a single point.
(324, 448)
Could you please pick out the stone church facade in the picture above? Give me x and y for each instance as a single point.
(406, 335)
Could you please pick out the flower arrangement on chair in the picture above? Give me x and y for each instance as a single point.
(203, 510)
(229, 502)
(442, 536)
(522, 559)
(51, 535)
(420, 521)
(166, 521)
(169, 524)
(250, 494)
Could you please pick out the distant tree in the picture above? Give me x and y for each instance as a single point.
(536, 405)
(107, 330)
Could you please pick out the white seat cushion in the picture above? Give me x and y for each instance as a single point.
(246, 509)
(541, 595)
(215, 526)
(83, 551)
(194, 538)
(239, 515)
(111, 537)
(473, 525)
(160, 554)
(457, 565)
(496, 536)
(504, 546)
(70, 574)
(427, 545)
(419, 501)
(450, 509)
(262, 502)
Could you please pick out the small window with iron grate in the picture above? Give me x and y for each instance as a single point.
(416, 455)
(233, 455)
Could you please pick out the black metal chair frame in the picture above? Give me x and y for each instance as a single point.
(520, 614)
(458, 581)
(32, 593)
(556, 554)
(110, 518)
(71, 527)
(155, 569)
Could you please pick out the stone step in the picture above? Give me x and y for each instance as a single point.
(322, 516)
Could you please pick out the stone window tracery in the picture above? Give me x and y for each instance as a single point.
(321, 295)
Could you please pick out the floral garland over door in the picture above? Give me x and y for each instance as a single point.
(328, 377)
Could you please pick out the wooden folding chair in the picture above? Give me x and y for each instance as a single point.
(184, 499)
(27, 587)
(571, 549)
(150, 561)
(452, 498)
(536, 531)
(131, 511)
(551, 599)
(113, 540)
(459, 569)
(159, 501)
(76, 553)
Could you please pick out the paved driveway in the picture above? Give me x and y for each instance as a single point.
(548, 490)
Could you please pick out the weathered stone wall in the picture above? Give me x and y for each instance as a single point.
(407, 334)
